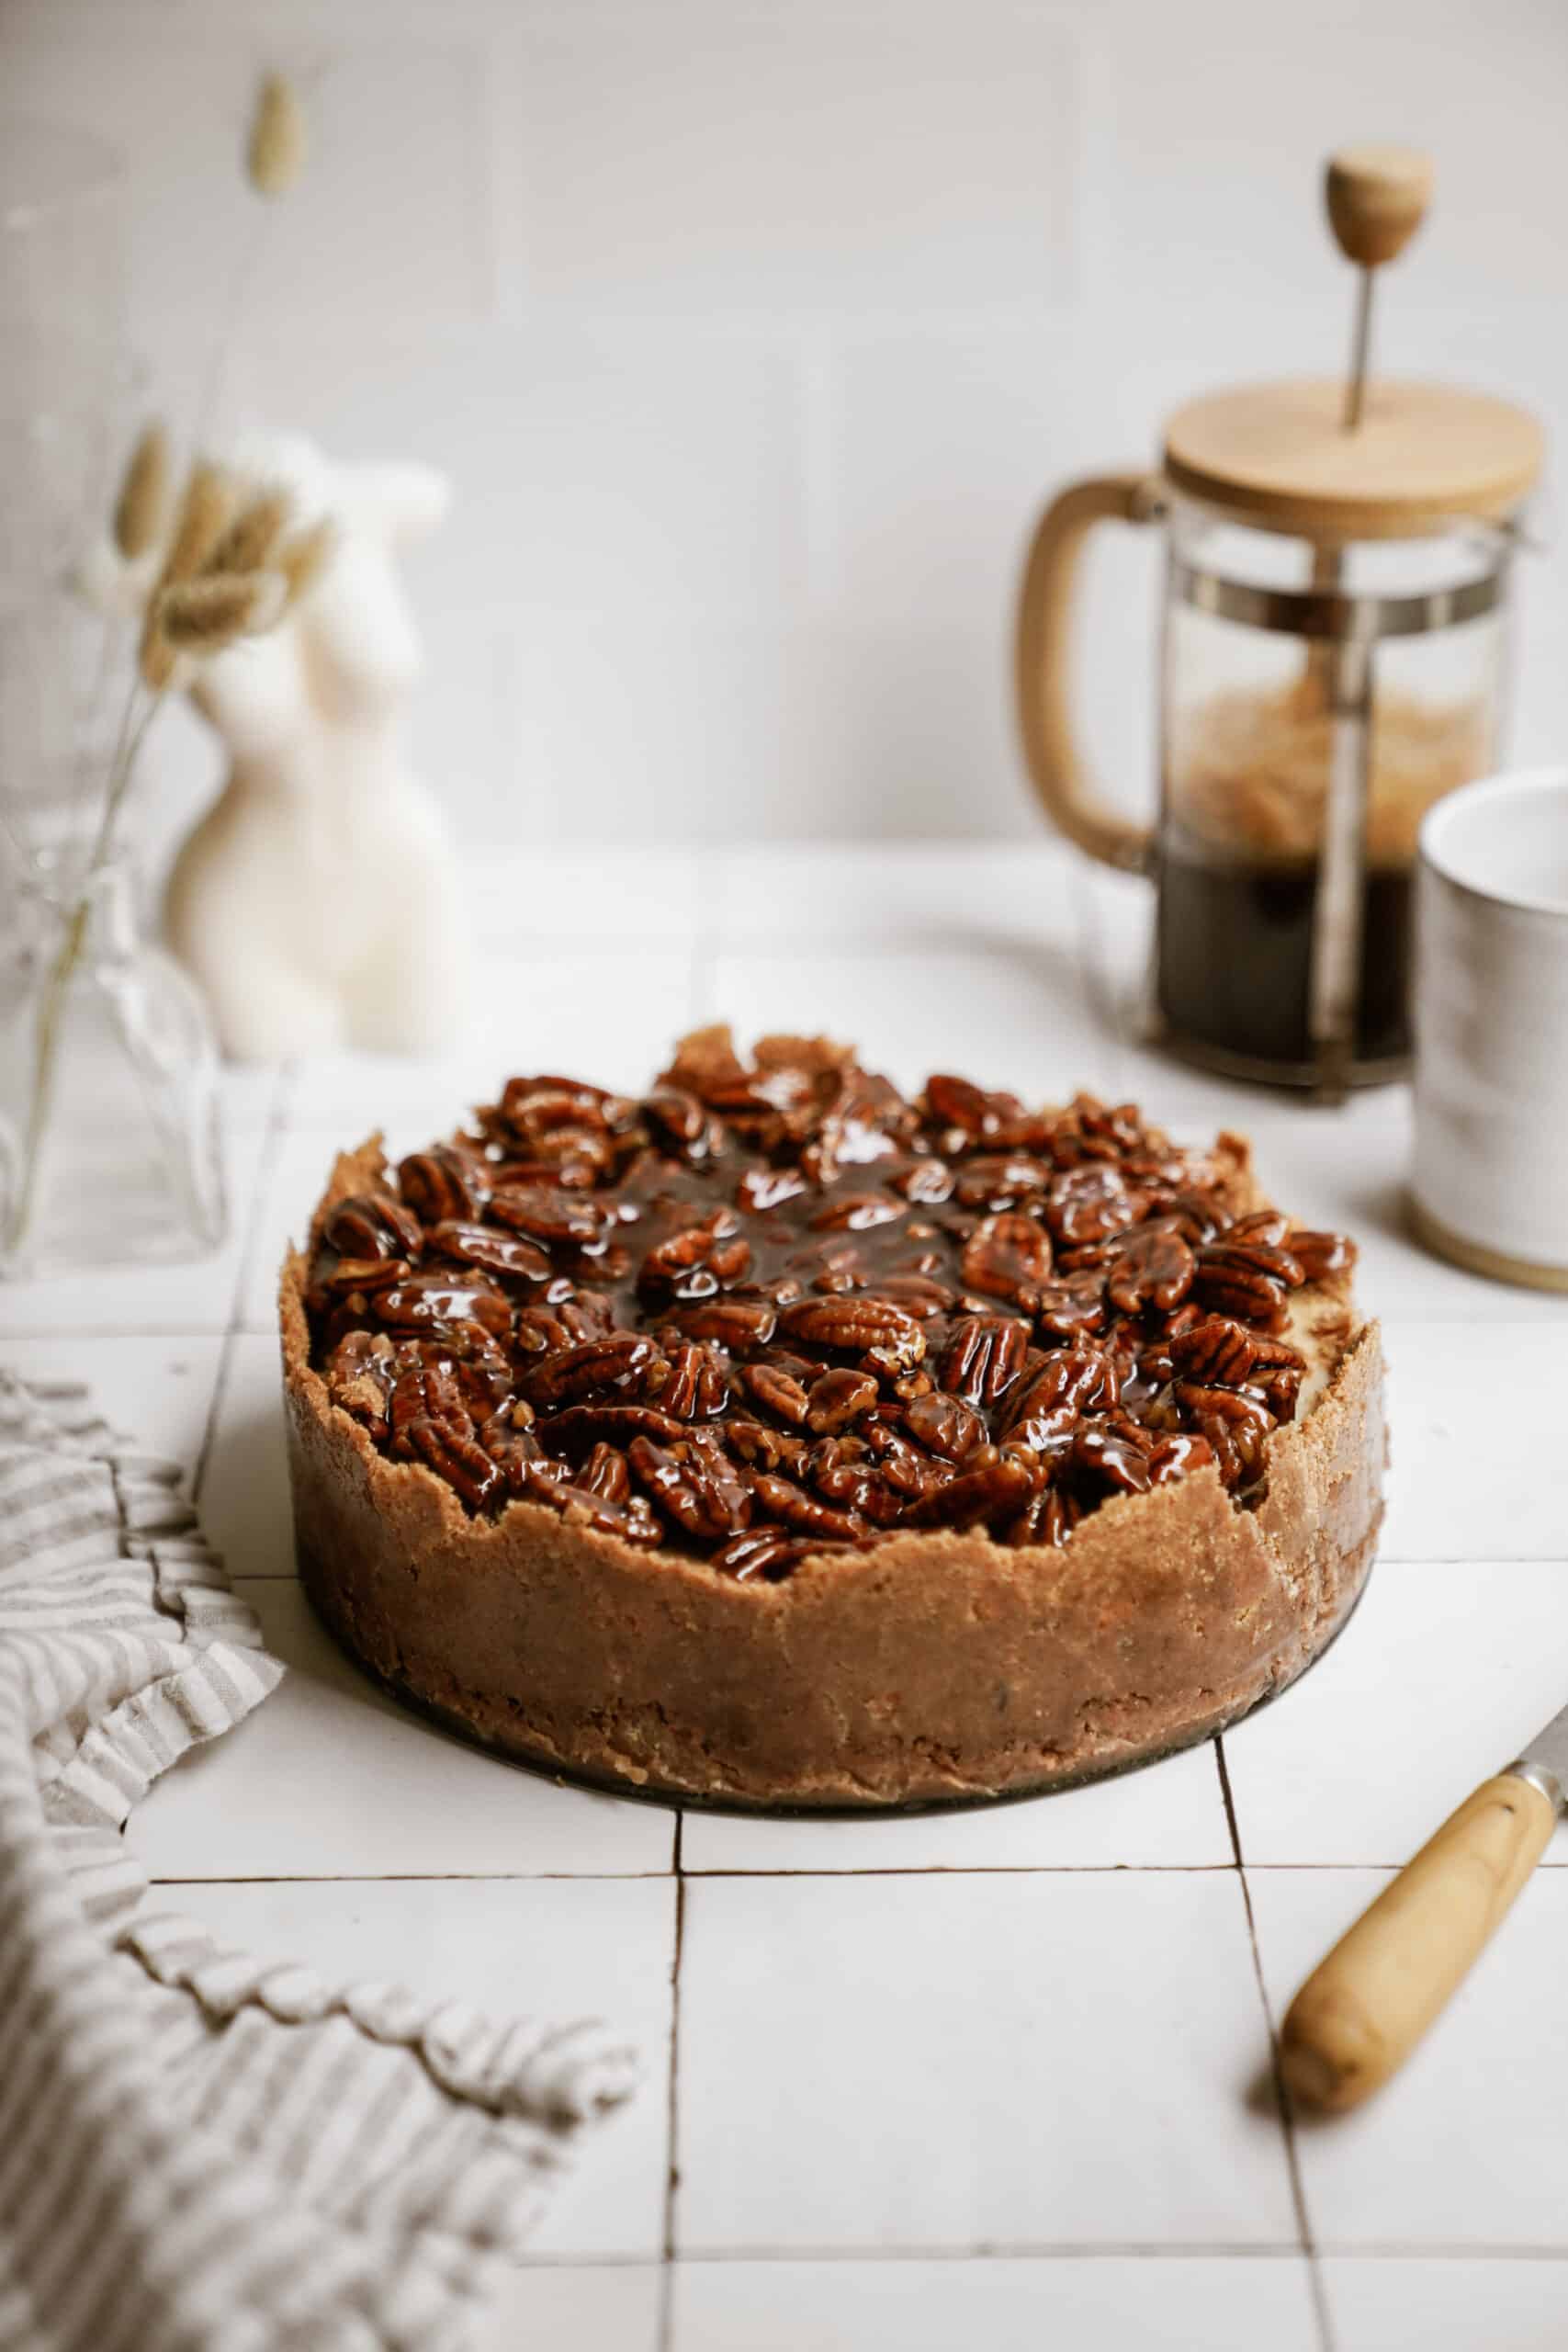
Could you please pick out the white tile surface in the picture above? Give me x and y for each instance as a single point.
(1005, 1016)
(1463, 2150)
(1110, 2304)
(614, 2307)
(294, 1183)
(605, 1017)
(158, 1392)
(1450, 1667)
(603, 1950)
(1171, 1818)
(330, 1780)
(881, 894)
(244, 1490)
(935, 2071)
(1476, 1417)
(523, 900)
(1396, 2304)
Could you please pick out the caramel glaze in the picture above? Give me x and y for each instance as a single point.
(774, 1307)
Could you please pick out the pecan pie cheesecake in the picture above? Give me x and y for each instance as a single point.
(777, 1440)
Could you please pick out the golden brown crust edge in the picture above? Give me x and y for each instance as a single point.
(935, 1666)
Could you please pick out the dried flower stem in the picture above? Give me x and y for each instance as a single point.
(274, 156)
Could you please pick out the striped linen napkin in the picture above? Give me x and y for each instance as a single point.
(198, 2152)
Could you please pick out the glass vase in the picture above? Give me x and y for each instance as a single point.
(110, 1149)
(67, 399)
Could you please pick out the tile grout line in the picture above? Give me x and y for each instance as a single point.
(266, 1162)
(989, 2250)
(1281, 2096)
(1042, 2250)
(738, 1876)
(665, 2337)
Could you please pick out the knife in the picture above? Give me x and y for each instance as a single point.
(1364, 2008)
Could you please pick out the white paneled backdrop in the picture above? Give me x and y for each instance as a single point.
(753, 332)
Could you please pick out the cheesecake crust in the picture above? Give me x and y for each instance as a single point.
(934, 1665)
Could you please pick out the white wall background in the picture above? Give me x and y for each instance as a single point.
(753, 332)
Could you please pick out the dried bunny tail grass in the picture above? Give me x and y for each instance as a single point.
(205, 512)
(141, 510)
(248, 541)
(276, 156)
(203, 616)
(301, 560)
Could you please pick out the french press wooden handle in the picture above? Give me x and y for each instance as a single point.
(1043, 666)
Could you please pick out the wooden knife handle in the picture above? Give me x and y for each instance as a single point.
(1365, 2008)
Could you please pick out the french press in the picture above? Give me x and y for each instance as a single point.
(1337, 561)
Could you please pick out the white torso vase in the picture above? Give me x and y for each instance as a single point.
(318, 903)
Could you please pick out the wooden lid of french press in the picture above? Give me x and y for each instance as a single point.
(1358, 459)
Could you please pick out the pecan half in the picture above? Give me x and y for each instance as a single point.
(694, 1387)
(1008, 1256)
(437, 1302)
(1320, 1254)
(372, 1225)
(944, 1425)
(1089, 1202)
(856, 1326)
(735, 1323)
(694, 1489)
(777, 1392)
(615, 1424)
(360, 1377)
(837, 1398)
(998, 1490)
(1220, 1350)
(766, 1553)
(455, 1455)
(510, 1255)
(1046, 1409)
(549, 1211)
(444, 1183)
(681, 1123)
(791, 1504)
(590, 1368)
(1152, 1268)
(983, 1358)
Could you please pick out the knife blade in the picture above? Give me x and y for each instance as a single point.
(1363, 2008)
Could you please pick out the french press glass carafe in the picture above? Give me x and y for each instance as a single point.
(1338, 559)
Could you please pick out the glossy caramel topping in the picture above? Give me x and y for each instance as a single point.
(774, 1307)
